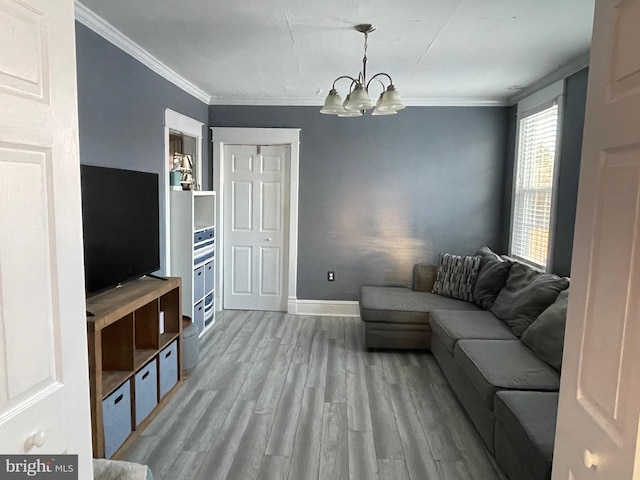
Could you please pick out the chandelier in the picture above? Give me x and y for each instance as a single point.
(357, 100)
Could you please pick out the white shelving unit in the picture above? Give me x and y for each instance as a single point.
(192, 245)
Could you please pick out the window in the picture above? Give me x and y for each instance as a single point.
(533, 189)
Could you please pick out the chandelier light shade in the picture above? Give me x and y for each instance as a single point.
(377, 111)
(391, 100)
(333, 103)
(357, 100)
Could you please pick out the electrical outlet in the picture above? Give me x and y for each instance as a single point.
(331, 276)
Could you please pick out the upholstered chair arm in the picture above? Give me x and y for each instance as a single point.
(423, 277)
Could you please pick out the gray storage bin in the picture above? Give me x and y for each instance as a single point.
(198, 283)
(209, 277)
(146, 385)
(198, 315)
(168, 367)
(203, 236)
(116, 418)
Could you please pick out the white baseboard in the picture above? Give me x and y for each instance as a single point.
(330, 308)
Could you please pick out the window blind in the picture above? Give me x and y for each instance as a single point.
(534, 186)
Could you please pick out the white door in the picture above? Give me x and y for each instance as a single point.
(597, 433)
(256, 206)
(44, 390)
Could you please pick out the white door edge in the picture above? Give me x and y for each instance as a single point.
(221, 136)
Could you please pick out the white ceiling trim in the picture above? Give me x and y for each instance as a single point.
(314, 102)
(120, 40)
(569, 69)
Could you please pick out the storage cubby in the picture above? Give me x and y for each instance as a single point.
(147, 341)
(170, 305)
(193, 243)
(134, 366)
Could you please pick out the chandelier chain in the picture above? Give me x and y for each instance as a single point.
(364, 58)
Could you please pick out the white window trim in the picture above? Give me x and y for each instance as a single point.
(528, 106)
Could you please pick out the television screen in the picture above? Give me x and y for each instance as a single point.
(121, 217)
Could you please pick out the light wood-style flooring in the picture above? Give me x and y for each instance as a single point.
(279, 397)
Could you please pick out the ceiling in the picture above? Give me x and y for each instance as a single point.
(289, 52)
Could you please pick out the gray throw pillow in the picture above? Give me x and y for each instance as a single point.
(526, 295)
(456, 276)
(545, 336)
(486, 252)
(492, 277)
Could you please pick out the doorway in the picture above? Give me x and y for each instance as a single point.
(247, 256)
(256, 224)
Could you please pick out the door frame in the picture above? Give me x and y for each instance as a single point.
(177, 122)
(221, 136)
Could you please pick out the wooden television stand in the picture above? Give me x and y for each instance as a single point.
(135, 345)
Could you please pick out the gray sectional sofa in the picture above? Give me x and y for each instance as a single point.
(499, 344)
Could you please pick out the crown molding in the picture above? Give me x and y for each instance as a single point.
(315, 102)
(563, 72)
(120, 40)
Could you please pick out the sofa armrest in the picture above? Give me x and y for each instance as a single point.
(423, 277)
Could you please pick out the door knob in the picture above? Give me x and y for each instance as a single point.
(36, 439)
(590, 459)
(267, 239)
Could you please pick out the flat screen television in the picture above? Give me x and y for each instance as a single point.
(121, 226)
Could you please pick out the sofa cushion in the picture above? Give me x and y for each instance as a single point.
(545, 336)
(393, 305)
(492, 365)
(453, 325)
(492, 277)
(456, 276)
(526, 295)
(403, 305)
(438, 302)
(529, 421)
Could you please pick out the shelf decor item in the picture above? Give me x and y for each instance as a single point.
(183, 165)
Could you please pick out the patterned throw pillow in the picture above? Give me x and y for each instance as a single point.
(456, 276)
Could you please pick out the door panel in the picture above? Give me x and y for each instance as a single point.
(271, 215)
(242, 261)
(255, 219)
(269, 271)
(616, 225)
(25, 294)
(270, 162)
(43, 358)
(243, 160)
(597, 430)
(24, 71)
(242, 206)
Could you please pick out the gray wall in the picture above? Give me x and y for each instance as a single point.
(378, 194)
(568, 173)
(121, 107)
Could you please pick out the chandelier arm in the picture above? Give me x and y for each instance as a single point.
(353, 80)
(380, 82)
(378, 75)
